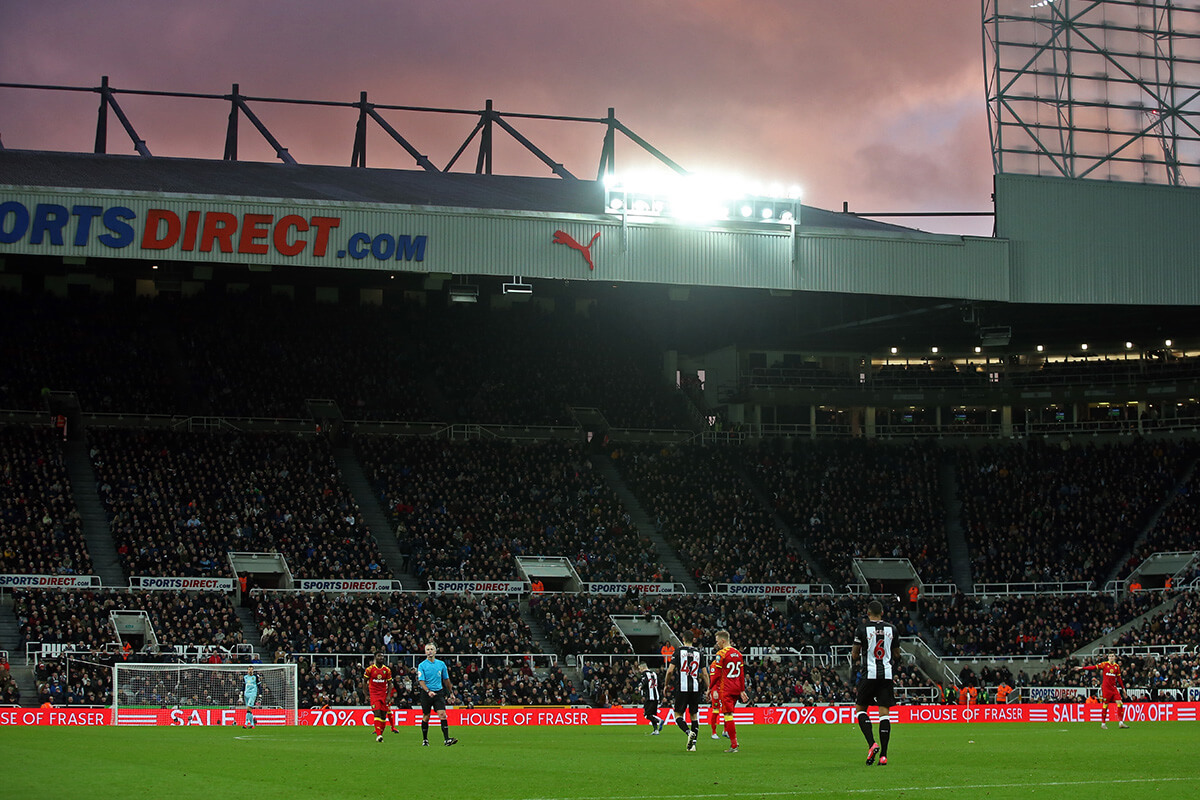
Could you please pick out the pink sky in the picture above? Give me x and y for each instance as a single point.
(880, 104)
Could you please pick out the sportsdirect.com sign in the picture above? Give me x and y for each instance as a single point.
(571, 717)
(198, 230)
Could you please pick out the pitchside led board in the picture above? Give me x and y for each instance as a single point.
(347, 716)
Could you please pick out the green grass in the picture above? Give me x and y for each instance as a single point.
(995, 761)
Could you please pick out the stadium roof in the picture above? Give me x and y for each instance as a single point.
(340, 184)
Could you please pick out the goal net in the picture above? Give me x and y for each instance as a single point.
(183, 694)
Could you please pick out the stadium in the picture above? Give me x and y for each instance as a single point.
(294, 415)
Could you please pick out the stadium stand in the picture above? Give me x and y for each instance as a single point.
(79, 621)
(849, 499)
(395, 623)
(40, 531)
(464, 510)
(179, 501)
(1037, 511)
(1029, 625)
(709, 514)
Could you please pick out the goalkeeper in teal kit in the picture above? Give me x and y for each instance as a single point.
(252, 686)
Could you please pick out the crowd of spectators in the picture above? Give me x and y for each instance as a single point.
(475, 681)
(710, 515)
(40, 531)
(1052, 626)
(466, 510)
(82, 617)
(1151, 674)
(259, 355)
(10, 693)
(860, 499)
(1177, 528)
(1042, 512)
(179, 501)
(1177, 624)
(111, 352)
(393, 623)
(770, 681)
(80, 620)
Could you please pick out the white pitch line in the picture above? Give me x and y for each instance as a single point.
(872, 790)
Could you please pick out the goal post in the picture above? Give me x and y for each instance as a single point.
(142, 689)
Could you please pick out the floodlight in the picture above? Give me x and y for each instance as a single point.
(1040, 348)
(1129, 345)
(747, 210)
(893, 351)
(768, 212)
(1083, 346)
(517, 287)
(933, 349)
(1167, 342)
(787, 216)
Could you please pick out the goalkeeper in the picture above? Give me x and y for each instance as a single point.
(252, 686)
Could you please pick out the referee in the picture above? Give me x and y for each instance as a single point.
(434, 680)
(691, 688)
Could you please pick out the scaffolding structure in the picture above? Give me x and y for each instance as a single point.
(1097, 89)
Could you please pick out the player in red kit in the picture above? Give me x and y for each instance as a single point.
(378, 682)
(1110, 672)
(731, 684)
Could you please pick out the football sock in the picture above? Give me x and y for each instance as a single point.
(682, 723)
(695, 727)
(1104, 712)
(731, 729)
(1120, 713)
(445, 729)
(425, 729)
(885, 733)
(864, 723)
(249, 717)
(712, 722)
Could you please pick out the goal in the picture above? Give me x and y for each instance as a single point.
(192, 692)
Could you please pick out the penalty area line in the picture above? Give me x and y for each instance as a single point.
(871, 790)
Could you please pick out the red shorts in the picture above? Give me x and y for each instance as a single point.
(379, 709)
(728, 701)
(1111, 697)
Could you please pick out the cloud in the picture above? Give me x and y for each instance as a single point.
(854, 98)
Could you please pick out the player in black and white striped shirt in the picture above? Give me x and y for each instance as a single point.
(691, 686)
(651, 696)
(876, 651)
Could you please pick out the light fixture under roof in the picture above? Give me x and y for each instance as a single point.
(517, 286)
(464, 293)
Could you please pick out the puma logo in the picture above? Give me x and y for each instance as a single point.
(565, 238)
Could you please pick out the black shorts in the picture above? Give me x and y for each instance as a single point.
(438, 701)
(688, 701)
(876, 692)
(650, 708)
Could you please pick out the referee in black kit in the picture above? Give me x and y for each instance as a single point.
(876, 651)
(691, 688)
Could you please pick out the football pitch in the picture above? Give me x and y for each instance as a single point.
(600, 763)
